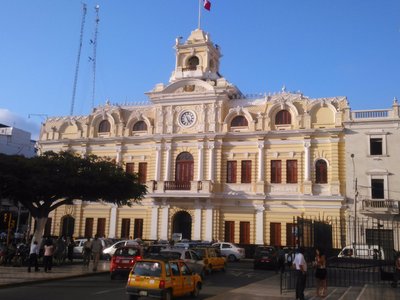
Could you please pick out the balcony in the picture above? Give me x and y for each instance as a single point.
(163, 187)
(381, 205)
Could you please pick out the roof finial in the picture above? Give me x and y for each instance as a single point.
(283, 88)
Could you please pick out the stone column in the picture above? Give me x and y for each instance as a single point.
(209, 222)
(157, 175)
(197, 221)
(154, 222)
(119, 155)
(167, 163)
(113, 222)
(260, 175)
(211, 162)
(164, 222)
(307, 158)
(200, 172)
(259, 225)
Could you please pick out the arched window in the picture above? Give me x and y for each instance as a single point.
(104, 126)
(321, 171)
(283, 117)
(193, 62)
(239, 121)
(139, 126)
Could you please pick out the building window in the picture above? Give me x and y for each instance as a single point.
(377, 189)
(229, 231)
(321, 171)
(276, 171)
(142, 172)
(231, 171)
(88, 227)
(239, 121)
(246, 171)
(275, 233)
(244, 233)
(193, 62)
(101, 227)
(291, 171)
(140, 126)
(290, 234)
(104, 126)
(375, 146)
(125, 226)
(283, 117)
(138, 229)
(130, 168)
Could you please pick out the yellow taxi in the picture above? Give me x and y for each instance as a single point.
(163, 279)
(212, 258)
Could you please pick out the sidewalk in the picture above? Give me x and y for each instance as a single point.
(14, 276)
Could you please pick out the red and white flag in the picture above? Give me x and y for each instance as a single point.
(207, 4)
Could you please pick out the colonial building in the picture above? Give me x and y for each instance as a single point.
(373, 181)
(217, 164)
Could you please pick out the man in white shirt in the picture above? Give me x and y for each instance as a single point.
(301, 273)
(33, 256)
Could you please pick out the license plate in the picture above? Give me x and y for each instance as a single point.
(143, 293)
(125, 261)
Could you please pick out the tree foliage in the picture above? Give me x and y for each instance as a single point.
(43, 183)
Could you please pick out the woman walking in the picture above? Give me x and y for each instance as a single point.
(320, 272)
(48, 255)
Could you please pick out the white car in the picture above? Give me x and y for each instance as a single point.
(78, 247)
(109, 251)
(230, 251)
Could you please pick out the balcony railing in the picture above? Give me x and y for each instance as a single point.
(387, 204)
(369, 114)
(176, 186)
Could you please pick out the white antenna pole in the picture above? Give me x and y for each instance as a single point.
(198, 27)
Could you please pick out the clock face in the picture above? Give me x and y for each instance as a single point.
(187, 118)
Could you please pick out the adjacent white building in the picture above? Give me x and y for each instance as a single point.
(16, 141)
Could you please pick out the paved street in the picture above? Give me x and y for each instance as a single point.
(240, 281)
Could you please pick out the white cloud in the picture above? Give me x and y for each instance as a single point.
(10, 119)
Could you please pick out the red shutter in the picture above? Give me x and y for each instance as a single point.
(101, 227)
(130, 168)
(89, 227)
(142, 172)
(230, 231)
(244, 233)
(275, 233)
(276, 171)
(138, 230)
(126, 224)
(291, 171)
(246, 171)
(231, 171)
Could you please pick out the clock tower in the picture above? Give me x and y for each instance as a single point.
(196, 58)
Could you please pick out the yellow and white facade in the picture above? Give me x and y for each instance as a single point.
(217, 164)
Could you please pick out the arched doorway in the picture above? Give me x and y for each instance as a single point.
(182, 223)
(68, 224)
(184, 167)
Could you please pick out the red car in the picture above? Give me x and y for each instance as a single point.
(123, 260)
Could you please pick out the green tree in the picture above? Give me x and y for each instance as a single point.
(43, 183)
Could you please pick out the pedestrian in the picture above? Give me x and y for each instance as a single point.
(48, 255)
(301, 273)
(33, 256)
(86, 252)
(281, 259)
(320, 272)
(70, 249)
(96, 248)
(396, 273)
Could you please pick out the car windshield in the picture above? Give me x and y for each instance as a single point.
(171, 254)
(126, 252)
(147, 268)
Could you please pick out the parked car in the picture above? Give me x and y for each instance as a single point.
(265, 257)
(162, 279)
(362, 251)
(212, 258)
(154, 250)
(192, 260)
(109, 251)
(123, 259)
(78, 248)
(230, 251)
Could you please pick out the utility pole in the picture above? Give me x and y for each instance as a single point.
(355, 202)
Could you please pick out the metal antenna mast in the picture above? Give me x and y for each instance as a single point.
(78, 58)
(94, 53)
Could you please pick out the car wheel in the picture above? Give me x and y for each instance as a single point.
(231, 257)
(196, 291)
(167, 295)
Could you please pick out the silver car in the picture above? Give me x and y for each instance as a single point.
(230, 251)
(192, 260)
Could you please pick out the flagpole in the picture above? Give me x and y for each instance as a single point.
(198, 27)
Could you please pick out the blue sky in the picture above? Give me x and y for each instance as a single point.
(323, 48)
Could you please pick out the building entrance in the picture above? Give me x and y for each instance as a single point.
(68, 224)
(182, 223)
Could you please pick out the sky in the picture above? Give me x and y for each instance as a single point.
(323, 48)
